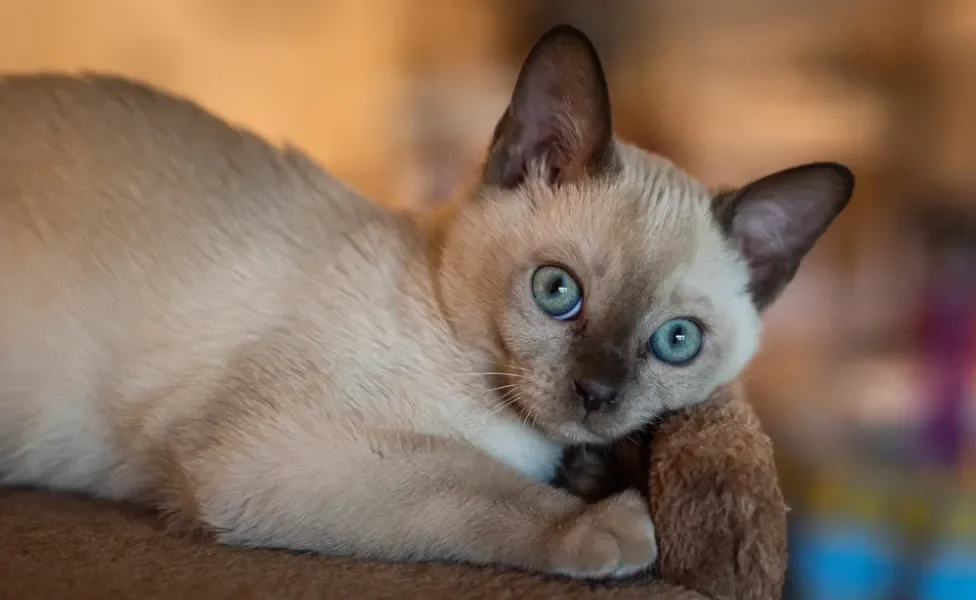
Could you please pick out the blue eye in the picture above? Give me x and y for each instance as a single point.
(557, 293)
(676, 342)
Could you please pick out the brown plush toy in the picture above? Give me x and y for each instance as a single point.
(716, 501)
(714, 494)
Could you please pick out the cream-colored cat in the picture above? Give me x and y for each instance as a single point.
(194, 319)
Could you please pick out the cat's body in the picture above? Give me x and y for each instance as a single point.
(196, 320)
(326, 289)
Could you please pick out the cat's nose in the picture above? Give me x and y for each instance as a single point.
(595, 394)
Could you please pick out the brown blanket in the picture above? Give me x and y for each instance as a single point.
(716, 503)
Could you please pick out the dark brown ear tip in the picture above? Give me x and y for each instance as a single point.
(847, 175)
(565, 36)
(564, 33)
(573, 56)
(839, 170)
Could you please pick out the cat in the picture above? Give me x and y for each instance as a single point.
(196, 320)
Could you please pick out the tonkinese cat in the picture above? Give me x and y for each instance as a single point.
(193, 319)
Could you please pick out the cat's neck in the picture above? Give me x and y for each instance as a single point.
(434, 226)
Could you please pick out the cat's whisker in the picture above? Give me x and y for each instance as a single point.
(526, 410)
(507, 400)
(502, 387)
(632, 438)
(490, 374)
(656, 420)
(531, 415)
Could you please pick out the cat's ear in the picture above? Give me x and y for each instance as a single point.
(558, 121)
(775, 221)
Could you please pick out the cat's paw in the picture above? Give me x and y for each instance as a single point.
(608, 540)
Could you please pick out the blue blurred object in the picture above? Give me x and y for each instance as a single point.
(844, 547)
(949, 572)
(837, 558)
(863, 536)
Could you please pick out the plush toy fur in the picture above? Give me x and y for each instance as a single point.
(716, 501)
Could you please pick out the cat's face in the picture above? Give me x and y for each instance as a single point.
(608, 286)
(610, 302)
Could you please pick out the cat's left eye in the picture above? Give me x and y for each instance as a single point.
(677, 342)
(557, 293)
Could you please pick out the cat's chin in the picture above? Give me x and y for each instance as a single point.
(575, 432)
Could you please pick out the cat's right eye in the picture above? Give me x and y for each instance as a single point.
(557, 293)
(676, 342)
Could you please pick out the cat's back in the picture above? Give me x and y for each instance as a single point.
(97, 150)
(142, 237)
(114, 182)
(116, 194)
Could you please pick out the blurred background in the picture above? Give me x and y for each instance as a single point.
(865, 380)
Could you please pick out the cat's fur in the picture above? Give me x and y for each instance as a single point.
(196, 320)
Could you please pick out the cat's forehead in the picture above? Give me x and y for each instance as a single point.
(644, 237)
(649, 218)
(661, 208)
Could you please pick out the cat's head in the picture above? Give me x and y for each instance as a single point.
(606, 283)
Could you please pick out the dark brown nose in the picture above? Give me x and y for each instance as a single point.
(595, 394)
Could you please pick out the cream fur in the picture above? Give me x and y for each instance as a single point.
(196, 320)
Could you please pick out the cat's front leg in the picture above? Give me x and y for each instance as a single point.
(406, 498)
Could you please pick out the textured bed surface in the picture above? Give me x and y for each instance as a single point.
(55, 546)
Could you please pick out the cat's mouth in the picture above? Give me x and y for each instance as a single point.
(597, 427)
(558, 415)
(588, 429)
